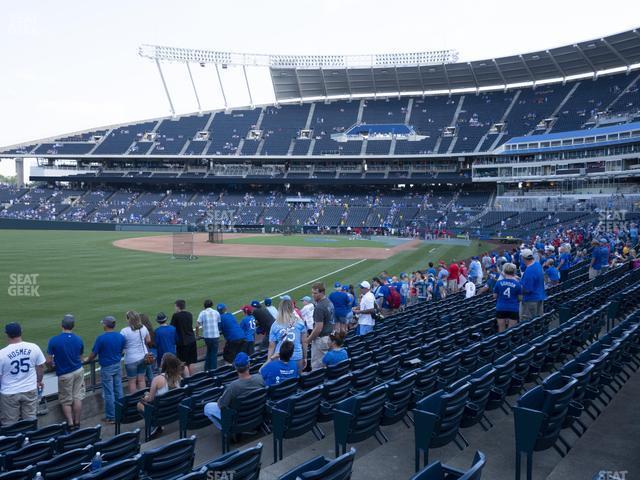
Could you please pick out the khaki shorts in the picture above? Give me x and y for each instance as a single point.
(319, 347)
(530, 310)
(18, 406)
(71, 387)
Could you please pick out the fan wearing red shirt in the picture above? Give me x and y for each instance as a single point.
(454, 276)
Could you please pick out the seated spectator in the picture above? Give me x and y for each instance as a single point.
(172, 372)
(336, 353)
(551, 273)
(246, 383)
(280, 366)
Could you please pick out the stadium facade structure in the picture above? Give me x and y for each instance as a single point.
(566, 113)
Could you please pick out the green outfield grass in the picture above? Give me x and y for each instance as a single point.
(84, 274)
(331, 241)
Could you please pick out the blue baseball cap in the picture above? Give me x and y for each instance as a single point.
(337, 285)
(255, 303)
(220, 307)
(13, 330)
(241, 360)
(267, 301)
(345, 288)
(285, 297)
(306, 298)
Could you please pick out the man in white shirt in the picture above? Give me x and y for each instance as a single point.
(208, 320)
(307, 312)
(470, 289)
(21, 372)
(366, 308)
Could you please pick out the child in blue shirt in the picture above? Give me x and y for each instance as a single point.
(280, 367)
(507, 293)
(248, 325)
(336, 353)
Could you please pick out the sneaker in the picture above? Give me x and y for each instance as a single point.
(155, 432)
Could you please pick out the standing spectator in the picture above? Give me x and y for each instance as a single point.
(454, 276)
(336, 353)
(234, 341)
(486, 263)
(208, 320)
(507, 293)
(533, 295)
(475, 271)
(341, 307)
(289, 326)
(599, 258)
(109, 348)
(166, 338)
(323, 323)
(248, 325)
(420, 284)
(565, 262)
(264, 320)
(245, 384)
(469, 289)
(65, 351)
(186, 348)
(137, 339)
(551, 272)
(268, 303)
(21, 373)
(281, 367)
(366, 309)
(144, 319)
(382, 293)
(348, 289)
(307, 312)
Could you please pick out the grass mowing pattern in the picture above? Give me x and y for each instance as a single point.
(84, 274)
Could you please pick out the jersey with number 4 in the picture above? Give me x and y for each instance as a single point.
(18, 367)
(507, 290)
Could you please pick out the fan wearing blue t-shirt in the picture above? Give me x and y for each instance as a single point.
(336, 353)
(65, 352)
(280, 367)
(341, 306)
(507, 293)
(166, 338)
(248, 326)
(552, 273)
(533, 294)
(233, 334)
(109, 348)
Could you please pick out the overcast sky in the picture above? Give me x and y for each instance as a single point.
(73, 65)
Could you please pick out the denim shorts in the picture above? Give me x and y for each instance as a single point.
(135, 368)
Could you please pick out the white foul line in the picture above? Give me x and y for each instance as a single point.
(312, 281)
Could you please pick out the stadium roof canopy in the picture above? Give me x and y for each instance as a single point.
(298, 77)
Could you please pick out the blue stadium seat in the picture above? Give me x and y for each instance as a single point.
(321, 468)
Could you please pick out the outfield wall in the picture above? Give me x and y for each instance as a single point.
(15, 224)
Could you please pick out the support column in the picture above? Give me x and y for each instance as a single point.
(195, 90)
(224, 97)
(166, 90)
(246, 79)
(20, 171)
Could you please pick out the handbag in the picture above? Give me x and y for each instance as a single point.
(149, 358)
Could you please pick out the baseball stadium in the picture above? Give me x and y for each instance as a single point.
(478, 217)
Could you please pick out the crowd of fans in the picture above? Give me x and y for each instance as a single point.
(295, 339)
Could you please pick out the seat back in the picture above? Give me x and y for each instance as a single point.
(312, 379)
(338, 369)
(361, 360)
(399, 396)
(66, 465)
(338, 469)
(367, 410)
(246, 412)
(364, 378)
(170, 460)
(388, 368)
(29, 455)
(302, 409)
(121, 446)
(12, 442)
(245, 464)
(22, 426)
(127, 408)
(45, 433)
(23, 474)
(78, 439)
(449, 368)
(191, 409)
(427, 379)
(128, 469)
(165, 407)
(283, 389)
(202, 385)
(448, 407)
